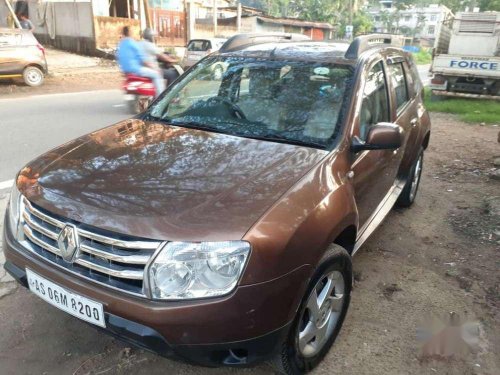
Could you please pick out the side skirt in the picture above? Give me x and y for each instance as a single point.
(380, 213)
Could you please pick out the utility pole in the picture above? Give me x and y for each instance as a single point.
(238, 17)
(16, 21)
(214, 11)
(350, 12)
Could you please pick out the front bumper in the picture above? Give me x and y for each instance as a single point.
(240, 353)
(243, 328)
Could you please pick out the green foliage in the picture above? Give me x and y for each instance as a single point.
(315, 10)
(362, 23)
(469, 110)
(422, 57)
(489, 5)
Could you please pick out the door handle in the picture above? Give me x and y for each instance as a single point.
(414, 122)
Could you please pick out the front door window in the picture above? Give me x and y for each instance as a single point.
(375, 105)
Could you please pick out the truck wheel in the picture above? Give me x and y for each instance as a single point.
(437, 98)
(33, 76)
(320, 316)
(409, 193)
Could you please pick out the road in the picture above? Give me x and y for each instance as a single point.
(32, 125)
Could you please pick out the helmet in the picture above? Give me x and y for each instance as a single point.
(149, 34)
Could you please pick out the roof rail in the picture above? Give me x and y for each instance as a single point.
(364, 42)
(242, 41)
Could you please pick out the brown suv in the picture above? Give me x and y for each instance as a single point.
(219, 225)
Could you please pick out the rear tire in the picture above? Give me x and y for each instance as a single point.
(33, 76)
(409, 193)
(317, 325)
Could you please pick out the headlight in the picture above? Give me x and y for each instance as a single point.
(185, 270)
(14, 210)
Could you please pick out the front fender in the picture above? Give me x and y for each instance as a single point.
(303, 223)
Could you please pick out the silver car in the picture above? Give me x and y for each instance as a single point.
(21, 56)
(199, 48)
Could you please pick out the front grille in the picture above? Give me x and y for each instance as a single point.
(109, 259)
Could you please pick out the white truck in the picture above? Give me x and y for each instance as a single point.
(466, 56)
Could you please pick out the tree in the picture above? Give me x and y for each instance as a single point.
(315, 10)
(362, 23)
(489, 5)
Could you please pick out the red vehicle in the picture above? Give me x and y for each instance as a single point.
(139, 92)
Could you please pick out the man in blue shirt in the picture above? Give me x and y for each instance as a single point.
(132, 61)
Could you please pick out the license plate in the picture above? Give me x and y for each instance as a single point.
(70, 302)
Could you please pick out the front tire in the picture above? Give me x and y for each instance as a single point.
(409, 193)
(33, 76)
(320, 316)
(138, 104)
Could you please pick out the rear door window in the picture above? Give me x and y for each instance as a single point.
(398, 80)
(415, 77)
(10, 39)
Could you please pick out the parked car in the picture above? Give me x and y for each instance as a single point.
(198, 49)
(219, 225)
(21, 56)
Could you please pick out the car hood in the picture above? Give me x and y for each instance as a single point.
(165, 182)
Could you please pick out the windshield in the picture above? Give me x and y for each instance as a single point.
(287, 101)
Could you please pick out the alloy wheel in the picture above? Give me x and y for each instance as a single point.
(322, 312)
(416, 178)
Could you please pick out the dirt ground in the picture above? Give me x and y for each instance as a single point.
(441, 255)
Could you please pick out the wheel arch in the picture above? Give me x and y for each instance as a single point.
(347, 238)
(425, 142)
(36, 65)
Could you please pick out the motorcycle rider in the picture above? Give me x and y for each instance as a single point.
(153, 54)
(132, 60)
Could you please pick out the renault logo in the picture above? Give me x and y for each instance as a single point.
(68, 243)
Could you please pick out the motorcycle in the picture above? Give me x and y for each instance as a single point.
(140, 91)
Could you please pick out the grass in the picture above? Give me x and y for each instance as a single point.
(422, 57)
(469, 110)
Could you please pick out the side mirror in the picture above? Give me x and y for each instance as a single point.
(381, 136)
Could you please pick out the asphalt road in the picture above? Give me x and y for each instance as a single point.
(32, 125)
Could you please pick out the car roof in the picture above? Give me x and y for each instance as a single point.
(341, 52)
(331, 52)
(207, 39)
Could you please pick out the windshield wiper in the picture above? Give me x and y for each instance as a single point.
(195, 125)
(273, 137)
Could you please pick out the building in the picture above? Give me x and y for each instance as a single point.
(241, 19)
(94, 27)
(418, 22)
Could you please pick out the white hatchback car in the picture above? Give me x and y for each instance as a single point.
(199, 48)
